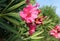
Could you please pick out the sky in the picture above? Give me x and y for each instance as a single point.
(55, 3)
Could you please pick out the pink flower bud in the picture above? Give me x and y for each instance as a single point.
(31, 31)
(55, 32)
(32, 28)
(27, 1)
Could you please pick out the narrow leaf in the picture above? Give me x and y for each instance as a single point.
(37, 37)
(36, 33)
(15, 6)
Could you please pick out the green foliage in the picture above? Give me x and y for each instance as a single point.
(12, 28)
(50, 11)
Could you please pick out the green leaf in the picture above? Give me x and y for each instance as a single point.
(8, 5)
(10, 37)
(7, 27)
(12, 20)
(14, 14)
(47, 21)
(14, 37)
(37, 33)
(37, 37)
(15, 6)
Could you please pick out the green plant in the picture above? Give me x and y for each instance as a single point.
(12, 28)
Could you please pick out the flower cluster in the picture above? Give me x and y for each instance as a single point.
(30, 15)
(56, 32)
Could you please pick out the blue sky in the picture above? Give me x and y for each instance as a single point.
(50, 2)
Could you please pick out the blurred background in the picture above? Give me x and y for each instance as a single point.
(55, 3)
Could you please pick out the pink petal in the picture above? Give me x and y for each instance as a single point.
(53, 32)
(57, 27)
(31, 31)
(57, 35)
(22, 14)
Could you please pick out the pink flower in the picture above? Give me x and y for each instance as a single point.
(32, 28)
(57, 35)
(57, 27)
(55, 32)
(29, 13)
